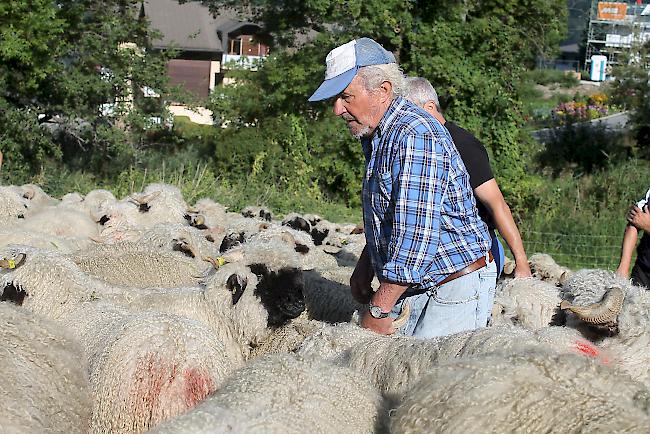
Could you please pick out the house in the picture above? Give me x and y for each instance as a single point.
(206, 44)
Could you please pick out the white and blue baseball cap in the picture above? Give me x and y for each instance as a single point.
(343, 63)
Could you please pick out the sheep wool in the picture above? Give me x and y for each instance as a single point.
(524, 393)
(283, 393)
(395, 363)
(146, 367)
(544, 267)
(527, 302)
(137, 266)
(44, 386)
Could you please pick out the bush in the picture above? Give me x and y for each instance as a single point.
(582, 147)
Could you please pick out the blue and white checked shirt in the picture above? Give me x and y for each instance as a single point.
(420, 218)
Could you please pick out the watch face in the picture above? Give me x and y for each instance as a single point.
(375, 312)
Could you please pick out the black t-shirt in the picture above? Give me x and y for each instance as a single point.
(477, 162)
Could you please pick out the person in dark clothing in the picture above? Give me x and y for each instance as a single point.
(492, 207)
(638, 218)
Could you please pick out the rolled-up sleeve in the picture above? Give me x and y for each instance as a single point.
(420, 174)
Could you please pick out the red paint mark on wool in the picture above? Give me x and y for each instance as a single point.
(198, 385)
(590, 350)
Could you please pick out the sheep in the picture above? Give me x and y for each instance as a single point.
(179, 237)
(158, 203)
(544, 267)
(258, 212)
(253, 291)
(138, 266)
(44, 386)
(213, 212)
(328, 296)
(526, 392)
(395, 363)
(284, 393)
(46, 282)
(12, 205)
(527, 302)
(62, 222)
(17, 235)
(612, 312)
(146, 367)
(97, 202)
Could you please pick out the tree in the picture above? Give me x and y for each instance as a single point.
(631, 89)
(471, 51)
(60, 64)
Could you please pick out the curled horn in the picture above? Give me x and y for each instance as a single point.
(604, 312)
(403, 317)
(14, 262)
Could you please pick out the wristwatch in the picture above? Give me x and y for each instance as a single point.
(376, 312)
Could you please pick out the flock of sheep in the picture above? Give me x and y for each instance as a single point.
(145, 313)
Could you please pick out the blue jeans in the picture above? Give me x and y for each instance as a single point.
(463, 304)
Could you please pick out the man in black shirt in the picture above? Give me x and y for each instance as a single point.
(491, 205)
(638, 217)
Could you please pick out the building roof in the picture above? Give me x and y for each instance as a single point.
(191, 26)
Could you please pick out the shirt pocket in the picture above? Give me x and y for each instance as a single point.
(381, 187)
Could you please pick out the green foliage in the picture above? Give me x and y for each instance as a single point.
(583, 147)
(631, 90)
(60, 62)
(550, 76)
(580, 220)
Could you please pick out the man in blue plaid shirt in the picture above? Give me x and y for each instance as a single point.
(424, 239)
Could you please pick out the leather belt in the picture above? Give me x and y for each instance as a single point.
(479, 263)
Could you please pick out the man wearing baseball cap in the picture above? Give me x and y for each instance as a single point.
(424, 239)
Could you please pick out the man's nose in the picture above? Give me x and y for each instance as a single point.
(339, 108)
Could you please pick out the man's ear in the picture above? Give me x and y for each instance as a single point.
(430, 106)
(386, 90)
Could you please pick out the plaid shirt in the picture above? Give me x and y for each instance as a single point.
(418, 207)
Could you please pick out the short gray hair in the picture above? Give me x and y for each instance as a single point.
(374, 75)
(420, 91)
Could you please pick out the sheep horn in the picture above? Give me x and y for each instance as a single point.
(403, 317)
(150, 197)
(192, 210)
(16, 262)
(603, 312)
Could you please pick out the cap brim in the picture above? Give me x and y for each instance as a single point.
(333, 86)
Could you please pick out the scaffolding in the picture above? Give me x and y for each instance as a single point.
(614, 27)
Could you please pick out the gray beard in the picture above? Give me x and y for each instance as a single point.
(363, 132)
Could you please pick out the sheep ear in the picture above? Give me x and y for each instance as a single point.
(236, 284)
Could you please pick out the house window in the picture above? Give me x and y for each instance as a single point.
(235, 46)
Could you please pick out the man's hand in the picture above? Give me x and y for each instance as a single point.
(382, 326)
(360, 282)
(639, 218)
(522, 269)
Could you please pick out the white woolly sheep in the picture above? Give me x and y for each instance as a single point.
(328, 296)
(179, 237)
(527, 392)
(146, 367)
(527, 302)
(44, 385)
(283, 394)
(544, 267)
(139, 266)
(395, 363)
(257, 212)
(46, 282)
(12, 205)
(62, 222)
(614, 313)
